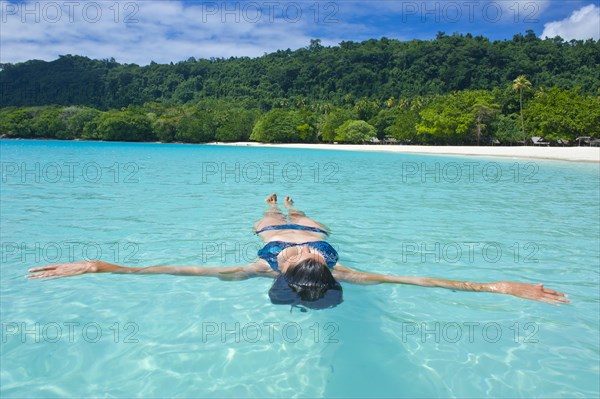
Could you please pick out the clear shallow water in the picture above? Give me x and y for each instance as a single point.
(191, 337)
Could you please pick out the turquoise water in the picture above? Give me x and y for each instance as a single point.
(480, 219)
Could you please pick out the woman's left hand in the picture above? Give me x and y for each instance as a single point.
(535, 292)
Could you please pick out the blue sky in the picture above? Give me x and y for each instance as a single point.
(164, 31)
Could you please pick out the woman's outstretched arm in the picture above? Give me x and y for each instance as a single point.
(256, 269)
(535, 292)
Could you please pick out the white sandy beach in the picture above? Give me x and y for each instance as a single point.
(573, 154)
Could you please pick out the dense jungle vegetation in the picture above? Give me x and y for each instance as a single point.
(455, 89)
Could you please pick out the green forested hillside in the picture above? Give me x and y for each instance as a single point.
(454, 89)
(375, 68)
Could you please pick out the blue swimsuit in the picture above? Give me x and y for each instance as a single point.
(270, 251)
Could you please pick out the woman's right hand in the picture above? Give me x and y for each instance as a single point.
(63, 270)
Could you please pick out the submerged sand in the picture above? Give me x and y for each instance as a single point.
(573, 154)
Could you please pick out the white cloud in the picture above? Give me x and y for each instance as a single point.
(161, 31)
(164, 31)
(581, 25)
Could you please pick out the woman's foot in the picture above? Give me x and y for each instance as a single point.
(293, 213)
(272, 199)
(289, 202)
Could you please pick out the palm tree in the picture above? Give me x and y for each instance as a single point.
(417, 103)
(390, 102)
(519, 84)
(404, 103)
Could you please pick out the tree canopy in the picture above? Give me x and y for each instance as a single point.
(376, 69)
(452, 90)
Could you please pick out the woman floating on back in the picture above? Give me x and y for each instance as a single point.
(304, 266)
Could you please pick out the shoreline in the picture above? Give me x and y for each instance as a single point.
(571, 154)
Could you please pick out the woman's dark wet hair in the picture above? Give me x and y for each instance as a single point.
(310, 284)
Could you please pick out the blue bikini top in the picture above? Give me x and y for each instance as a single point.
(270, 251)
